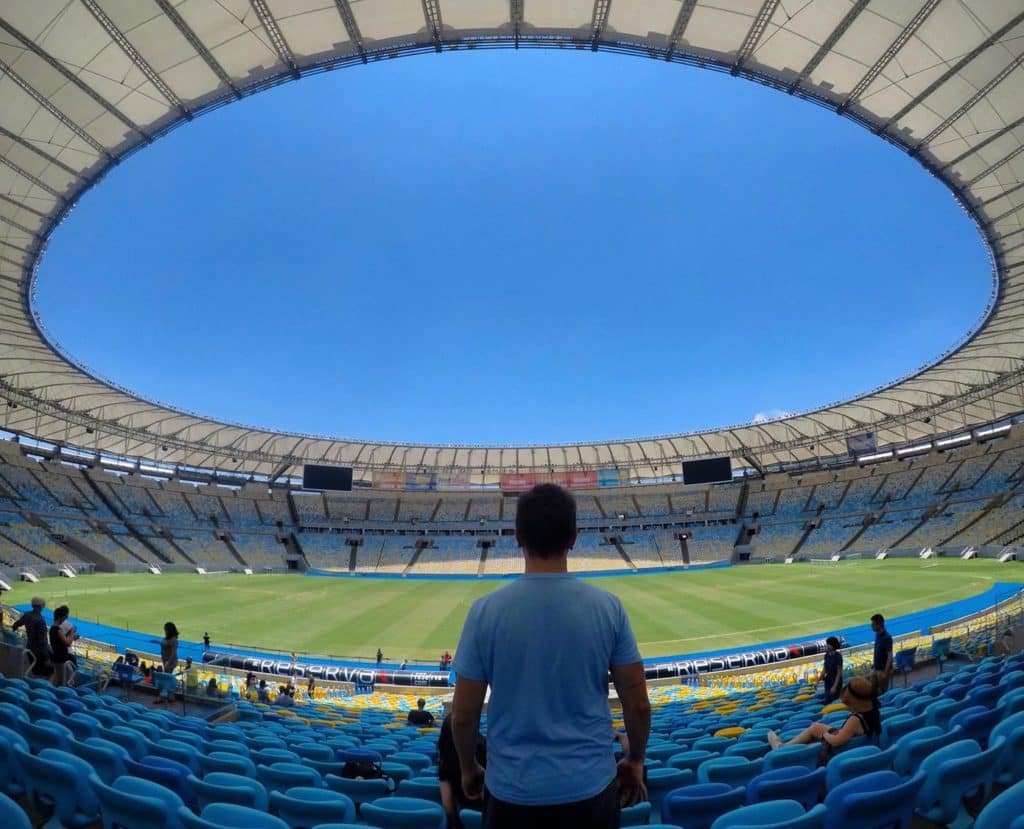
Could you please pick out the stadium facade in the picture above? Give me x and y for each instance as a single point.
(86, 84)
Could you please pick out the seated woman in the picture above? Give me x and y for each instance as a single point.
(860, 696)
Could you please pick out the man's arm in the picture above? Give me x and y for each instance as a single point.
(20, 622)
(631, 686)
(466, 708)
(888, 659)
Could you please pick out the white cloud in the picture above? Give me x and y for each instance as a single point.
(771, 414)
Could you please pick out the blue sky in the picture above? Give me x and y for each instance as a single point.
(512, 247)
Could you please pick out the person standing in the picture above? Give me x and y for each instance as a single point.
(380, 657)
(832, 675)
(169, 648)
(60, 645)
(545, 645)
(36, 638)
(882, 661)
(206, 641)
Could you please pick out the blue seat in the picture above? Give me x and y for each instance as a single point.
(166, 684)
(83, 726)
(1004, 811)
(224, 787)
(904, 661)
(699, 805)
(661, 781)
(856, 762)
(914, 747)
(690, 759)
(896, 726)
(177, 750)
(59, 782)
(736, 771)
(717, 744)
(166, 772)
(636, 815)
(955, 690)
(360, 791)
(11, 814)
(315, 751)
(422, 788)
(404, 813)
(12, 716)
(12, 778)
(1010, 766)
(976, 723)
(797, 755)
(470, 819)
(46, 734)
(987, 695)
(748, 749)
(283, 776)
(229, 816)
(106, 758)
(228, 746)
(414, 759)
(132, 740)
(775, 814)
(269, 756)
(230, 763)
(872, 801)
(941, 712)
(787, 783)
(955, 773)
(303, 807)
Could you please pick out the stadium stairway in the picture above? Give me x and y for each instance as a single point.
(950, 744)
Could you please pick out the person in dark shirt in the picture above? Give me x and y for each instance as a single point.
(882, 662)
(206, 641)
(453, 798)
(419, 715)
(380, 657)
(860, 696)
(60, 646)
(36, 639)
(832, 676)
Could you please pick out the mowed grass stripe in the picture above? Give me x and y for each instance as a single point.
(671, 612)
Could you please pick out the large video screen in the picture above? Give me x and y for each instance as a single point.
(708, 471)
(327, 477)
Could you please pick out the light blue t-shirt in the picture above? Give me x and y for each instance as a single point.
(545, 644)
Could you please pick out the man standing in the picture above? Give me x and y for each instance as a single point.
(206, 641)
(882, 663)
(36, 636)
(545, 644)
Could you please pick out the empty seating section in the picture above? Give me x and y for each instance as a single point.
(792, 503)
(206, 507)
(761, 502)
(939, 527)
(723, 501)
(689, 503)
(891, 528)
(777, 539)
(417, 507)
(830, 537)
(706, 544)
(654, 506)
(396, 553)
(926, 487)
(587, 507)
(325, 550)
(383, 509)
(488, 508)
(341, 508)
(452, 509)
(260, 550)
(459, 555)
(593, 552)
(826, 496)
(173, 509)
(275, 509)
(242, 512)
(368, 553)
(110, 548)
(993, 523)
(504, 558)
(31, 540)
(310, 508)
(132, 500)
(67, 486)
(616, 505)
(859, 494)
(643, 549)
(206, 550)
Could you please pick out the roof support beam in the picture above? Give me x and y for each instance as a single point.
(515, 14)
(889, 54)
(982, 144)
(1006, 159)
(679, 27)
(954, 70)
(351, 26)
(829, 43)
(277, 40)
(965, 107)
(133, 54)
(598, 21)
(55, 64)
(172, 14)
(432, 14)
(764, 16)
(1002, 195)
(25, 174)
(21, 206)
(28, 145)
(46, 104)
(28, 231)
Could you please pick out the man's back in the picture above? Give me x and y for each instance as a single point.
(545, 644)
(36, 639)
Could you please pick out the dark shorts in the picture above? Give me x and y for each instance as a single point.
(598, 812)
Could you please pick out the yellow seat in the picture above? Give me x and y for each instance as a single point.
(803, 697)
(731, 732)
(835, 706)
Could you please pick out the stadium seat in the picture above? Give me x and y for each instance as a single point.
(876, 800)
(424, 788)
(1004, 811)
(12, 778)
(470, 818)
(360, 791)
(859, 761)
(229, 816)
(315, 751)
(690, 760)
(955, 773)
(58, 782)
(661, 781)
(777, 814)
(736, 771)
(283, 776)
(404, 813)
(976, 723)
(83, 726)
(797, 755)
(177, 750)
(222, 787)
(269, 756)
(787, 783)
(904, 661)
(223, 761)
(914, 747)
(749, 749)
(638, 814)
(894, 727)
(131, 740)
(46, 734)
(12, 816)
(303, 807)
(165, 772)
(699, 805)
(106, 758)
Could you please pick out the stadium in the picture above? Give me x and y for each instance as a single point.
(302, 556)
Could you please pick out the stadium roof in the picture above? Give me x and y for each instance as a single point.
(84, 83)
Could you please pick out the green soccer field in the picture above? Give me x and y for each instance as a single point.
(672, 613)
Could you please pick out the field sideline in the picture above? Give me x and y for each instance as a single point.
(672, 613)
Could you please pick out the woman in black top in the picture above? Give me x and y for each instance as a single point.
(60, 646)
(861, 697)
(450, 774)
(832, 675)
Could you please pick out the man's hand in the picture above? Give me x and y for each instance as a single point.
(630, 778)
(473, 782)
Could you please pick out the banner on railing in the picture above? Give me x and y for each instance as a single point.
(612, 477)
(327, 673)
(734, 661)
(420, 481)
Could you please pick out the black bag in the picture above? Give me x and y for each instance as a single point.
(362, 770)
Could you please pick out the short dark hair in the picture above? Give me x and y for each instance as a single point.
(832, 641)
(878, 619)
(546, 521)
(61, 612)
(170, 630)
(421, 703)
